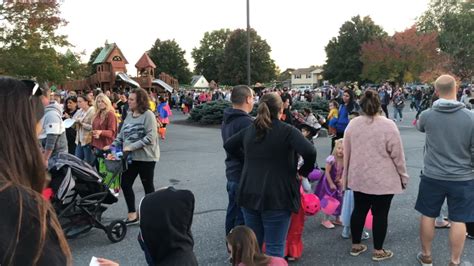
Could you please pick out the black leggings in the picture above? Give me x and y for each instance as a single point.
(380, 205)
(146, 171)
(470, 228)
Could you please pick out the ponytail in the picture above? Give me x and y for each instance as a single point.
(263, 122)
(268, 108)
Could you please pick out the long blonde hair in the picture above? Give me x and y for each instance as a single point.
(108, 104)
(337, 143)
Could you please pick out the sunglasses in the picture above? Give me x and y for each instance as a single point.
(34, 86)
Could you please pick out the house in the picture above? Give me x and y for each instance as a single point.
(199, 81)
(306, 78)
(109, 63)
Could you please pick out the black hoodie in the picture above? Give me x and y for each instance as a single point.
(234, 121)
(165, 223)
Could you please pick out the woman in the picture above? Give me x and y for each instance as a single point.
(104, 125)
(69, 112)
(84, 130)
(269, 188)
(375, 171)
(311, 119)
(139, 138)
(398, 104)
(347, 107)
(30, 233)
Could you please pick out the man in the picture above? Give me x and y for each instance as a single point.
(235, 119)
(53, 134)
(384, 100)
(448, 169)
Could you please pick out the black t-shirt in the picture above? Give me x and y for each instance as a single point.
(29, 231)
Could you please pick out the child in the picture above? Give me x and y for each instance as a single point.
(346, 212)
(294, 240)
(164, 112)
(331, 184)
(332, 117)
(243, 248)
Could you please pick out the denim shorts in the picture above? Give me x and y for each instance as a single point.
(459, 195)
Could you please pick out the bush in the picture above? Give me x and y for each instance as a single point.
(210, 113)
(319, 106)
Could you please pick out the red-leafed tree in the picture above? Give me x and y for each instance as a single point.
(404, 57)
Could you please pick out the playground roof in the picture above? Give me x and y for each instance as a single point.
(145, 62)
(104, 54)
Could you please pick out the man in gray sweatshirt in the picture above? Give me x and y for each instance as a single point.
(448, 171)
(53, 134)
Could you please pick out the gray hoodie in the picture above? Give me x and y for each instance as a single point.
(53, 134)
(449, 147)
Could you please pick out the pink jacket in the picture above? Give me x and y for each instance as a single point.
(374, 162)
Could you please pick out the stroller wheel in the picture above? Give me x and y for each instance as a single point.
(116, 231)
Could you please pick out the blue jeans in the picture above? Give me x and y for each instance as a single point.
(270, 227)
(85, 153)
(396, 112)
(234, 214)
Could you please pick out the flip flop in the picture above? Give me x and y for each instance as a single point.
(447, 225)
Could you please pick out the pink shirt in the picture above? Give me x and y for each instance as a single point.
(374, 162)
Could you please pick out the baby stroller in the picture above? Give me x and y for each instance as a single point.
(80, 198)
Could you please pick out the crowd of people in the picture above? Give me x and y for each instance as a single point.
(270, 162)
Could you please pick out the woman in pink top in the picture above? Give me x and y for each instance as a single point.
(375, 170)
(244, 250)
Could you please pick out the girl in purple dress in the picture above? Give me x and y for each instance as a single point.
(331, 184)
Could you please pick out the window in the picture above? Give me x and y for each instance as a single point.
(297, 76)
(117, 58)
(308, 76)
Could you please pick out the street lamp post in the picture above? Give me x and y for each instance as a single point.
(248, 43)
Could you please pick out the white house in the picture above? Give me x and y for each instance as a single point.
(199, 81)
(306, 78)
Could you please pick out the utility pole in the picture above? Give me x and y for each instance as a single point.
(248, 43)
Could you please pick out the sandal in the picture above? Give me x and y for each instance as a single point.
(357, 251)
(445, 225)
(424, 260)
(328, 224)
(386, 254)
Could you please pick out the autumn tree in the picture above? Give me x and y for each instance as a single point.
(169, 58)
(343, 52)
(233, 69)
(404, 57)
(454, 22)
(28, 40)
(210, 54)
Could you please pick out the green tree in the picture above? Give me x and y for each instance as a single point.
(343, 53)
(169, 58)
(454, 21)
(28, 39)
(90, 66)
(73, 68)
(210, 54)
(234, 67)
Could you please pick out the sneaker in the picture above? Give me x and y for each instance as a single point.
(290, 258)
(470, 236)
(359, 250)
(387, 254)
(365, 235)
(424, 260)
(328, 224)
(131, 222)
